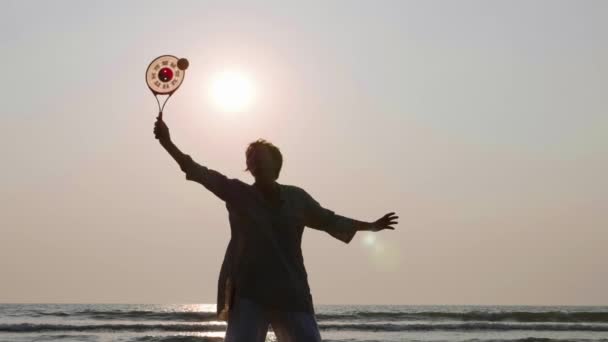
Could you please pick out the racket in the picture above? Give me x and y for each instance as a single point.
(164, 75)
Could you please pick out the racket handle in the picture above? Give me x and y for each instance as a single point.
(160, 115)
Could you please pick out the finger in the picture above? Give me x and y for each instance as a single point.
(389, 214)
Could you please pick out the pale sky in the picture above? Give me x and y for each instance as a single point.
(483, 124)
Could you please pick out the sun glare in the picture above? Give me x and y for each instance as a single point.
(232, 91)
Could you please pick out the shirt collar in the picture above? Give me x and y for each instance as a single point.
(282, 192)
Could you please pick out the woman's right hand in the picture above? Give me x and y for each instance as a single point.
(161, 131)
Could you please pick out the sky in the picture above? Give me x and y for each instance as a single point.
(482, 124)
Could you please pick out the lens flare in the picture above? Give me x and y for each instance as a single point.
(369, 239)
(383, 254)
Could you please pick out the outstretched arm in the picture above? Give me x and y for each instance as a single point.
(161, 132)
(214, 181)
(338, 226)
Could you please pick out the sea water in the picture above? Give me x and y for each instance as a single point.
(353, 323)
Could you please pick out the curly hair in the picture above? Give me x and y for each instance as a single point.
(274, 152)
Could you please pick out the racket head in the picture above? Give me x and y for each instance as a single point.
(163, 76)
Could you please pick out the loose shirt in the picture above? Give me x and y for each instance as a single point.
(263, 260)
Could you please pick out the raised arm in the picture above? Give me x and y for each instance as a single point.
(341, 227)
(214, 181)
(161, 132)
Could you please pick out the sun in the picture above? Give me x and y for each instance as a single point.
(232, 91)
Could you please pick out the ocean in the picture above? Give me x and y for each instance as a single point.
(346, 323)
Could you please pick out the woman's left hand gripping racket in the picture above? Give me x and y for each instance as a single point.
(164, 75)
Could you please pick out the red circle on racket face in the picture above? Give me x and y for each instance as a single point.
(163, 76)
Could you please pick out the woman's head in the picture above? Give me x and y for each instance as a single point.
(264, 161)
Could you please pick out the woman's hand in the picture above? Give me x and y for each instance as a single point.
(385, 222)
(161, 131)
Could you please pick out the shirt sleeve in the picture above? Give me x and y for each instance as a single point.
(220, 185)
(317, 217)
